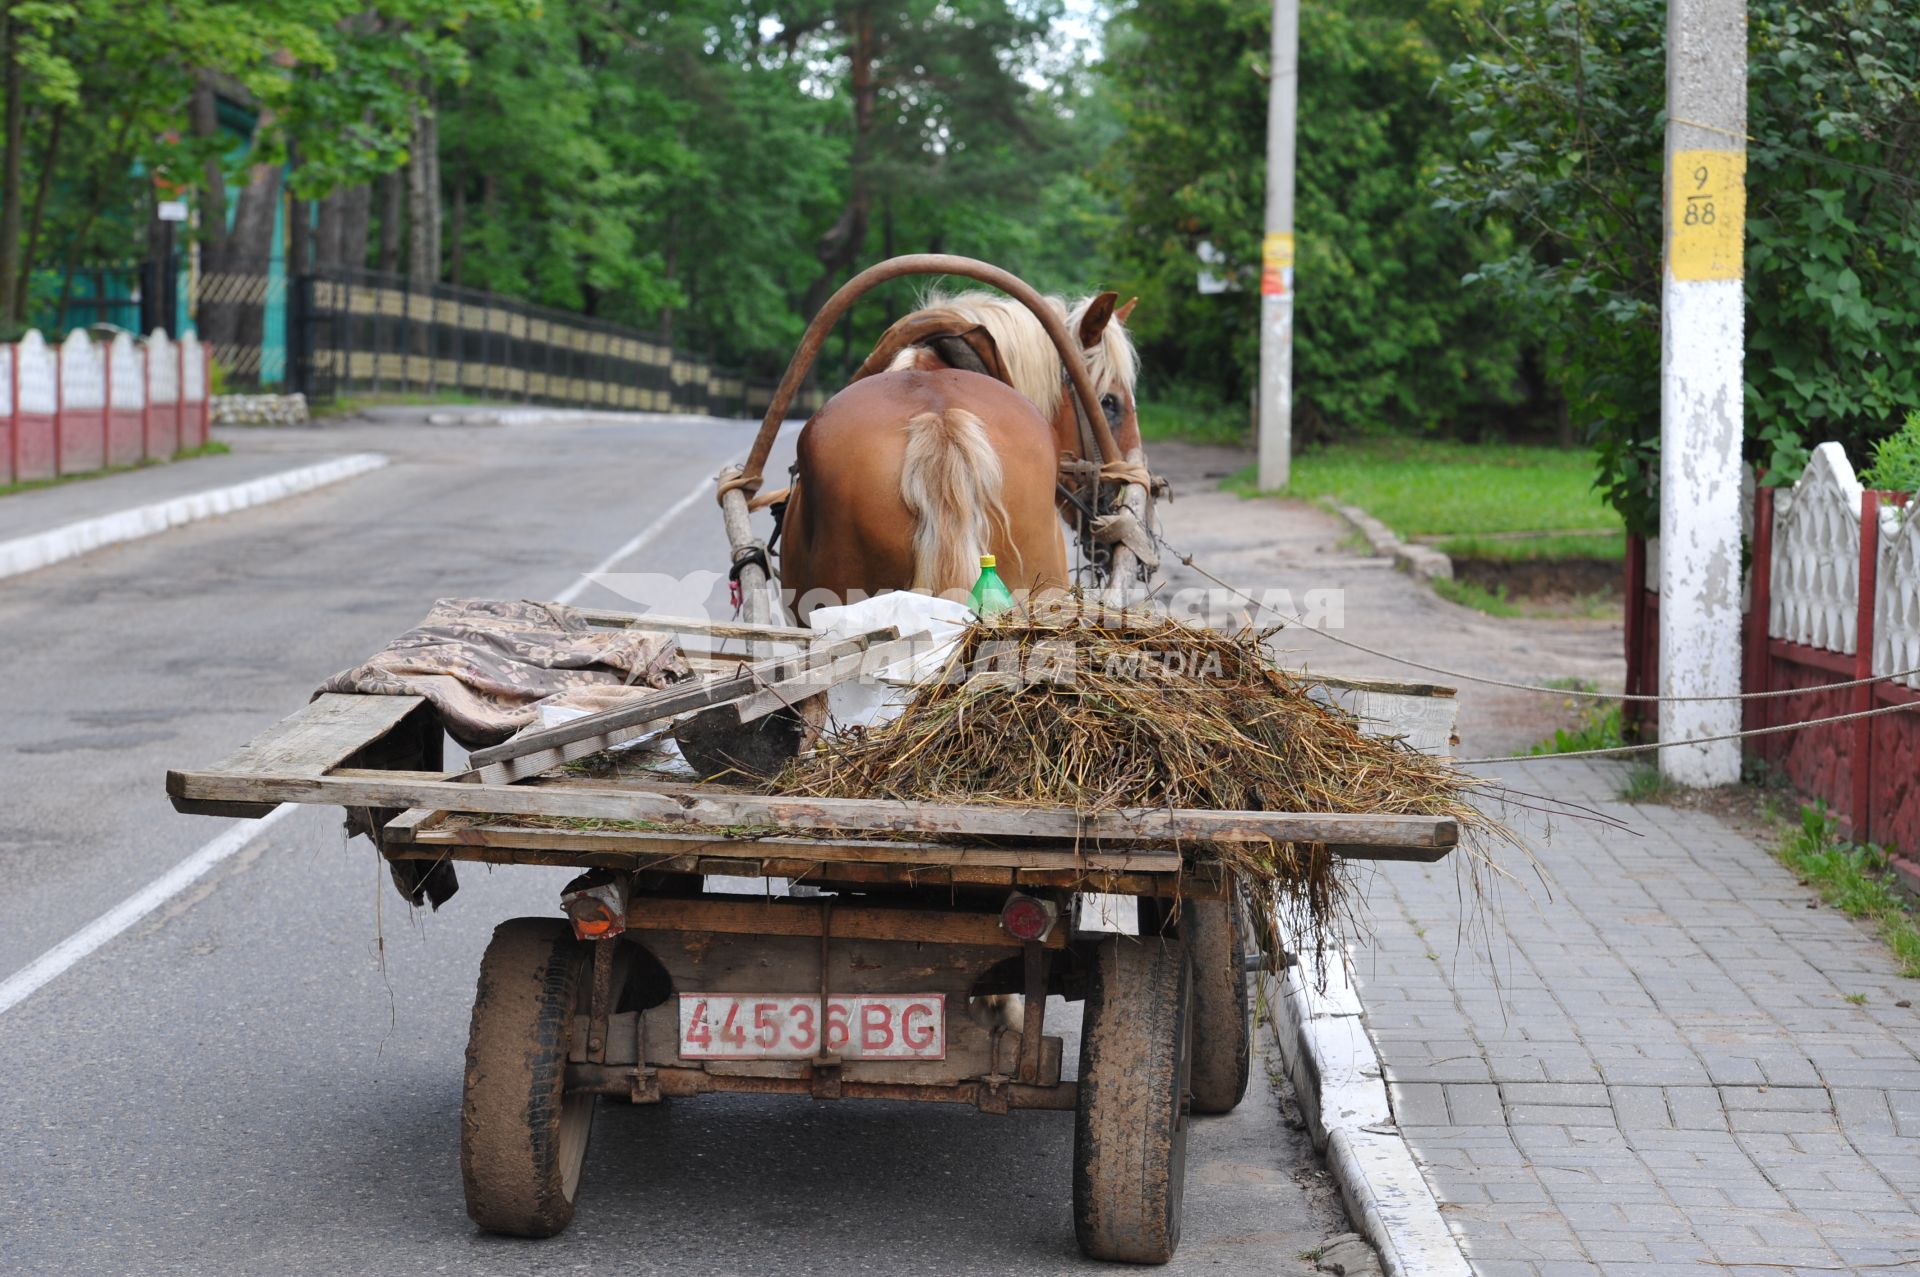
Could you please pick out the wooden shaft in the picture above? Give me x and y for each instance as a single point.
(753, 580)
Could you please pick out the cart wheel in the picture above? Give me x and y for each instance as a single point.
(523, 1140)
(1216, 935)
(1130, 1133)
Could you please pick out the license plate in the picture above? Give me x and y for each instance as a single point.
(859, 1026)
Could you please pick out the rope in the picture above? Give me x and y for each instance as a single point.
(1126, 472)
(1618, 750)
(750, 483)
(1462, 676)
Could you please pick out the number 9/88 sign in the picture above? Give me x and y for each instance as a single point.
(783, 1026)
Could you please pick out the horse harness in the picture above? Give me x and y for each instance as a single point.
(1101, 519)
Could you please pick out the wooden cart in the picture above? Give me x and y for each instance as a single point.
(884, 982)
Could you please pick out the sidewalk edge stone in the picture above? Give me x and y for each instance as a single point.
(41, 549)
(1335, 1072)
(1417, 560)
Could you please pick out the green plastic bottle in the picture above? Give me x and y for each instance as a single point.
(989, 592)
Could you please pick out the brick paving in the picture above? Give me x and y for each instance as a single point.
(1643, 1061)
(1655, 1058)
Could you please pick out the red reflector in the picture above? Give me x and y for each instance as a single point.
(592, 919)
(1026, 918)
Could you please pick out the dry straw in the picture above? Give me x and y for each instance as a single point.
(1073, 705)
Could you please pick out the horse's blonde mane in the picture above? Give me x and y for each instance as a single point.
(1032, 362)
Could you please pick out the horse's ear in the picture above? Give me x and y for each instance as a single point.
(1124, 311)
(1094, 322)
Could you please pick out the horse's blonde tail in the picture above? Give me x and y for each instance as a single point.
(951, 483)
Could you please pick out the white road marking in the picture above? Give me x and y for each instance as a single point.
(640, 539)
(22, 983)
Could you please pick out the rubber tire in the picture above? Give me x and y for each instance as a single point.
(1216, 936)
(1130, 1128)
(522, 1139)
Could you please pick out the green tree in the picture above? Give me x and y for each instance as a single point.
(1384, 336)
(1564, 154)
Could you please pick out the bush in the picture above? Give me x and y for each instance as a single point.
(1896, 460)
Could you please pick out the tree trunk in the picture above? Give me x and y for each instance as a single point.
(299, 226)
(231, 314)
(356, 214)
(423, 200)
(457, 254)
(326, 231)
(32, 253)
(423, 225)
(840, 246)
(12, 313)
(205, 118)
(392, 211)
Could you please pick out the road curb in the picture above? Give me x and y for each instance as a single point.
(1335, 1072)
(1419, 560)
(41, 549)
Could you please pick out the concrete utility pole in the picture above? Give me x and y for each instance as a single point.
(1701, 342)
(1276, 257)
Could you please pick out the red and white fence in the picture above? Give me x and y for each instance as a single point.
(86, 405)
(1833, 596)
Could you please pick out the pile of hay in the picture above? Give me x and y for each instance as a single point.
(1077, 706)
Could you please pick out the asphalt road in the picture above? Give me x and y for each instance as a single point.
(264, 1075)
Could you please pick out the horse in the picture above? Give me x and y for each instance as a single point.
(916, 469)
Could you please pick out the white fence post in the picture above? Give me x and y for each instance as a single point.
(1896, 604)
(1816, 556)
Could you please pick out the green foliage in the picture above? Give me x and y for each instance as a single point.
(1493, 602)
(1610, 546)
(1646, 784)
(1854, 878)
(1896, 460)
(1598, 728)
(1384, 336)
(1563, 154)
(1181, 411)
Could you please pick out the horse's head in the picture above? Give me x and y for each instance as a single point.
(1111, 365)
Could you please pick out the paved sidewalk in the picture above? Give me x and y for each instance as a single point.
(1659, 1054)
(1655, 1064)
(256, 453)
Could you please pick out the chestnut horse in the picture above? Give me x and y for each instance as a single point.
(916, 469)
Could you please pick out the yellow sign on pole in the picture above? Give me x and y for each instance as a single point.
(1706, 215)
(1276, 264)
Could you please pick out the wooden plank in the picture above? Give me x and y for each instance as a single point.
(325, 733)
(811, 682)
(695, 625)
(542, 749)
(1206, 884)
(784, 917)
(313, 740)
(408, 824)
(718, 809)
(813, 850)
(1384, 686)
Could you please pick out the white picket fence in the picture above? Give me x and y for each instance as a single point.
(87, 404)
(1816, 568)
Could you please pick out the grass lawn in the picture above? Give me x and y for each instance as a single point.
(1465, 498)
(1174, 416)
